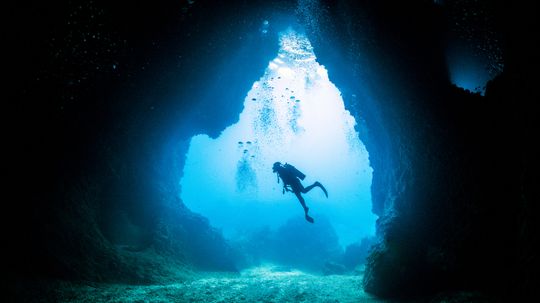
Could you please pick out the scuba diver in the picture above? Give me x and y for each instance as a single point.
(291, 182)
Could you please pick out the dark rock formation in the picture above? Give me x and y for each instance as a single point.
(104, 129)
(452, 170)
(356, 253)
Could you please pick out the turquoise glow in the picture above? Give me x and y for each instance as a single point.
(293, 114)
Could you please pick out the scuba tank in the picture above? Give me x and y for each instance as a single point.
(294, 171)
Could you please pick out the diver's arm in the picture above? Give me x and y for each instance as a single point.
(286, 188)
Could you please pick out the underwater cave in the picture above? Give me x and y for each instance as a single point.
(151, 135)
(294, 114)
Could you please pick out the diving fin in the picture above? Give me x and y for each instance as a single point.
(309, 219)
(323, 189)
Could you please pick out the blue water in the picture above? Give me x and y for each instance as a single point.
(468, 69)
(294, 114)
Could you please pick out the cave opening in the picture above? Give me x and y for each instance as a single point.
(293, 114)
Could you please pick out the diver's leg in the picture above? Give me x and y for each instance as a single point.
(302, 201)
(306, 209)
(318, 184)
(305, 190)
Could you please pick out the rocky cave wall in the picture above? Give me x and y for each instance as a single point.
(452, 169)
(109, 100)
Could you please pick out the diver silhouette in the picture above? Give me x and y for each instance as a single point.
(291, 182)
